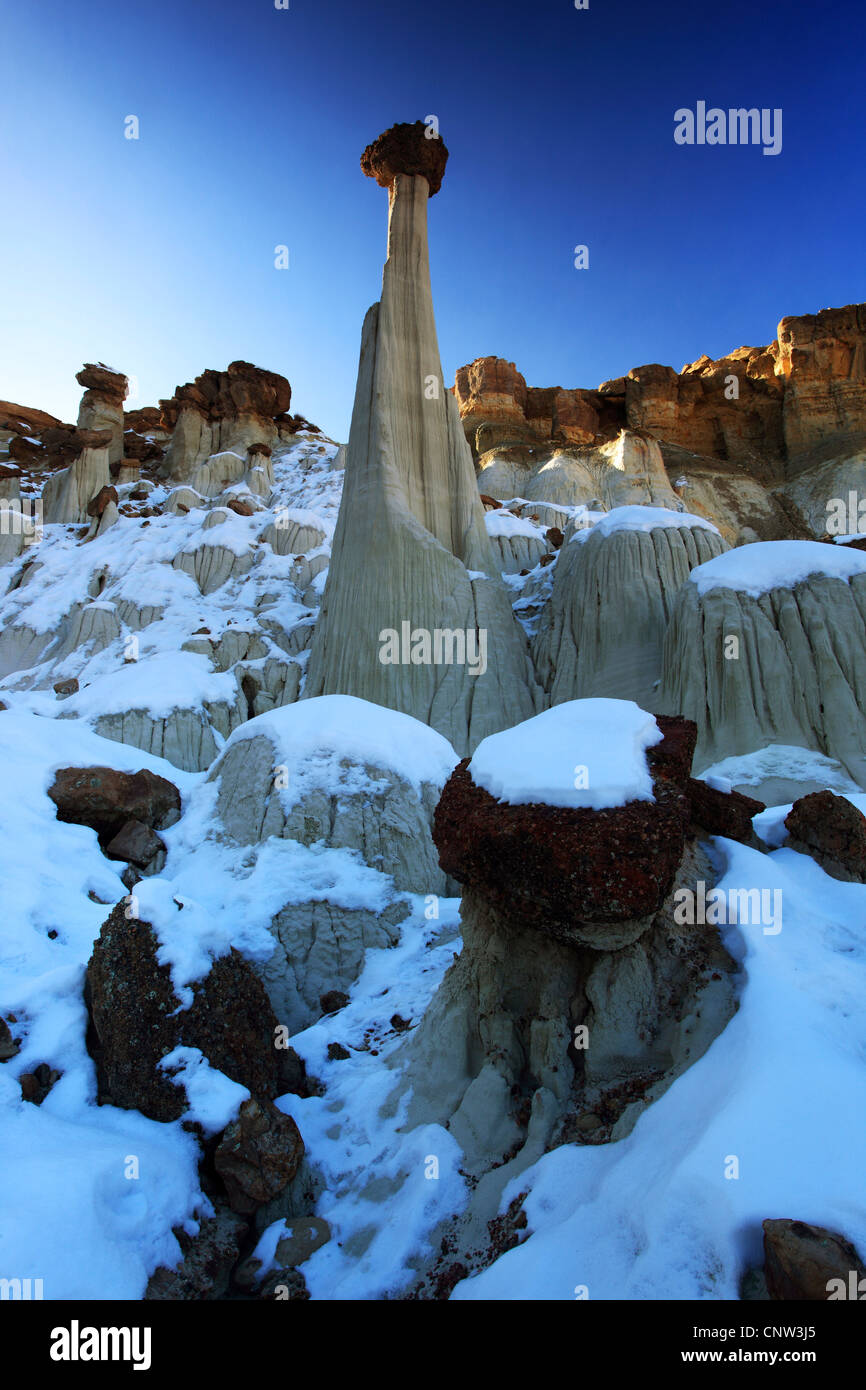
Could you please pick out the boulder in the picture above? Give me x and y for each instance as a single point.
(107, 800)
(722, 812)
(832, 830)
(809, 1263)
(258, 1155)
(137, 1019)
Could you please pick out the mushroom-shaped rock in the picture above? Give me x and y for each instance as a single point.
(410, 147)
(568, 833)
(410, 507)
(561, 825)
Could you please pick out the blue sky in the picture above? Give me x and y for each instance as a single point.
(157, 255)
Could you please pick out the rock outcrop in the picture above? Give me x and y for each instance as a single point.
(602, 631)
(410, 507)
(227, 412)
(67, 494)
(757, 440)
(767, 644)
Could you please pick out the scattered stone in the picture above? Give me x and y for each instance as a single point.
(832, 830)
(285, 1284)
(9, 1047)
(240, 507)
(554, 537)
(333, 1000)
(337, 1052)
(258, 1155)
(35, 1085)
(304, 1235)
(66, 687)
(400, 1025)
(802, 1261)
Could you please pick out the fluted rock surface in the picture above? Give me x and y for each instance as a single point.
(779, 661)
(410, 544)
(602, 631)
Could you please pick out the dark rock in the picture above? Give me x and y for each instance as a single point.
(242, 508)
(832, 831)
(722, 813)
(137, 1019)
(258, 1155)
(800, 1261)
(8, 1046)
(67, 687)
(208, 1258)
(554, 537)
(135, 842)
(337, 1052)
(406, 149)
(106, 799)
(35, 1085)
(558, 869)
(333, 1000)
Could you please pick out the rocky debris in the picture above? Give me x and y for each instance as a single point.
(258, 1155)
(602, 631)
(337, 1052)
(9, 1046)
(832, 830)
(207, 1261)
(410, 505)
(722, 812)
(147, 420)
(137, 1019)
(302, 1237)
(135, 842)
(107, 800)
(240, 507)
(66, 687)
(799, 676)
(406, 148)
(587, 877)
(809, 1263)
(35, 1085)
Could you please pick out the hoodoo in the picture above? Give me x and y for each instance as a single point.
(410, 544)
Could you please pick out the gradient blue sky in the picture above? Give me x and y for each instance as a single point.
(157, 255)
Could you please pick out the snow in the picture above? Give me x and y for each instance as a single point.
(312, 737)
(770, 824)
(504, 523)
(765, 565)
(545, 758)
(782, 1090)
(157, 684)
(783, 761)
(643, 518)
(214, 1099)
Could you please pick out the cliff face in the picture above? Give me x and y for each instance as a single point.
(742, 427)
